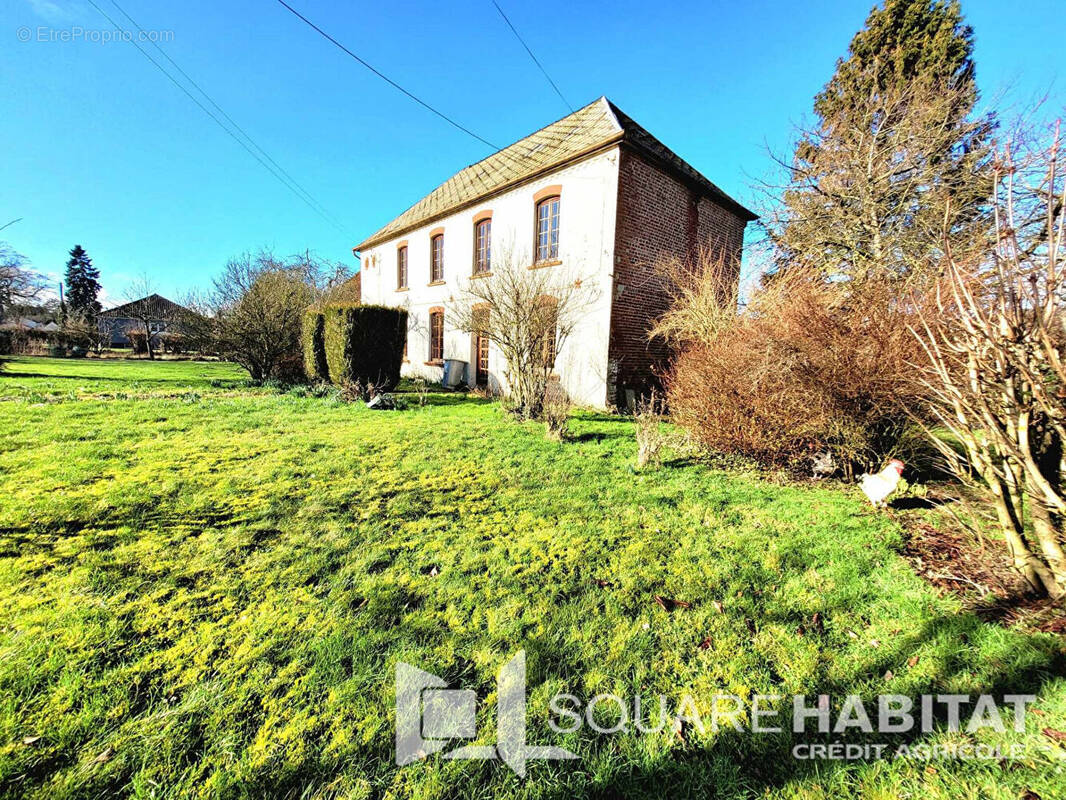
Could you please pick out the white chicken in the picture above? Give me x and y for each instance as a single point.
(880, 486)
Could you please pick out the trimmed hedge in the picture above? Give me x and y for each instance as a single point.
(314, 345)
(364, 344)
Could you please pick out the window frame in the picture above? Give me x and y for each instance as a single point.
(482, 254)
(553, 222)
(482, 347)
(403, 277)
(436, 338)
(436, 258)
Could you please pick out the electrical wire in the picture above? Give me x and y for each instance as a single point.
(535, 61)
(291, 187)
(386, 78)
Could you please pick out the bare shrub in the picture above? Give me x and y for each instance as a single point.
(138, 339)
(351, 391)
(529, 314)
(702, 294)
(808, 367)
(556, 411)
(651, 440)
(18, 283)
(255, 311)
(994, 337)
(421, 391)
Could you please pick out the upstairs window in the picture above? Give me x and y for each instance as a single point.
(482, 246)
(548, 229)
(401, 268)
(436, 258)
(436, 335)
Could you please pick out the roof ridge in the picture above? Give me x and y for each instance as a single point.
(578, 134)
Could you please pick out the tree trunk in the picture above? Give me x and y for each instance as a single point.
(148, 341)
(1047, 533)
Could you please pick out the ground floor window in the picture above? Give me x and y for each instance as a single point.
(481, 346)
(436, 336)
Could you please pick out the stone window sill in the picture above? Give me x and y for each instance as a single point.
(403, 288)
(553, 262)
(435, 283)
(435, 362)
(486, 274)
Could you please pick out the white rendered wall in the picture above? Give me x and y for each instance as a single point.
(588, 199)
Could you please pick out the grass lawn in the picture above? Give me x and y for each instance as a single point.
(205, 589)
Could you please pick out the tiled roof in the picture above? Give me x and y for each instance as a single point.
(160, 308)
(598, 124)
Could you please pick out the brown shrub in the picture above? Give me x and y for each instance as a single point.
(556, 411)
(808, 367)
(647, 419)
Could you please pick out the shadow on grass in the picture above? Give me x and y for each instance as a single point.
(960, 654)
(914, 503)
(747, 764)
(94, 378)
(458, 399)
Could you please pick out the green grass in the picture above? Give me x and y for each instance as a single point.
(205, 588)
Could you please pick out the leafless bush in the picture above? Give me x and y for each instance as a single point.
(18, 283)
(138, 339)
(808, 367)
(351, 391)
(703, 301)
(556, 411)
(994, 337)
(82, 331)
(651, 440)
(529, 314)
(257, 306)
(421, 391)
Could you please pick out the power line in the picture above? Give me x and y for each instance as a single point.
(222, 111)
(386, 78)
(535, 61)
(219, 122)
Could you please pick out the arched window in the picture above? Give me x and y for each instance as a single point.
(436, 258)
(436, 334)
(481, 344)
(547, 243)
(482, 246)
(401, 267)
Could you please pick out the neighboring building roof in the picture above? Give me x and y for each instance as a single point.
(594, 127)
(159, 306)
(48, 326)
(22, 323)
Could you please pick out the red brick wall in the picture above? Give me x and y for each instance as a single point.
(657, 215)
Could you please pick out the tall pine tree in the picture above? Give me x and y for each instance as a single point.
(83, 284)
(896, 159)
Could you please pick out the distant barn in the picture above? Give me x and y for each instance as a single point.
(164, 316)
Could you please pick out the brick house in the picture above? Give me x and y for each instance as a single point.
(593, 195)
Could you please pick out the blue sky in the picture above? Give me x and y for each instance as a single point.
(100, 149)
